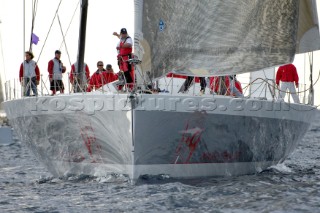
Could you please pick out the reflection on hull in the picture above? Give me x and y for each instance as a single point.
(181, 136)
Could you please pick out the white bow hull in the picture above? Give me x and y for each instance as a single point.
(181, 136)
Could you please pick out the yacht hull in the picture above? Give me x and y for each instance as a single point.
(180, 136)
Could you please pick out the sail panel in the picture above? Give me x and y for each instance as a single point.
(220, 37)
(259, 87)
(308, 30)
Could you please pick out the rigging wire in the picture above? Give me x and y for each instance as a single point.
(277, 88)
(34, 13)
(74, 13)
(256, 90)
(64, 41)
(49, 30)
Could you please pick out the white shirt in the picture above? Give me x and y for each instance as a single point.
(29, 68)
(128, 41)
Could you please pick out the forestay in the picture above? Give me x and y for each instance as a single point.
(222, 37)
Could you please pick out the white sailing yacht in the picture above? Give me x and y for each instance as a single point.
(180, 135)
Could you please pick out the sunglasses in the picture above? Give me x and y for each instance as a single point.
(100, 65)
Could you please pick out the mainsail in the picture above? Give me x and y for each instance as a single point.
(222, 37)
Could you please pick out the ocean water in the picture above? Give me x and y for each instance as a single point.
(294, 186)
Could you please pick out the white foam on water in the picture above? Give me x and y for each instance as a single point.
(282, 168)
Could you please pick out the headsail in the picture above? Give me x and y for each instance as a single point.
(308, 31)
(221, 37)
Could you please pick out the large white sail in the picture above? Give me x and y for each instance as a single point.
(308, 30)
(221, 37)
(262, 84)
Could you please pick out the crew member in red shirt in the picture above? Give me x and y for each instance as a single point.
(29, 74)
(229, 86)
(110, 76)
(289, 78)
(124, 48)
(79, 80)
(56, 69)
(101, 77)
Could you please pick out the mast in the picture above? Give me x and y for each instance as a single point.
(32, 26)
(82, 40)
(2, 60)
(24, 29)
(311, 93)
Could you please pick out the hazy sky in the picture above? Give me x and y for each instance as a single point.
(104, 17)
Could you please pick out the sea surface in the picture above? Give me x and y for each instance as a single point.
(294, 186)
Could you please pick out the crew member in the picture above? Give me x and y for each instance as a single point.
(101, 77)
(55, 69)
(226, 85)
(79, 80)
(124, 48)
(289, 78)
(29, 74)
